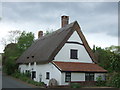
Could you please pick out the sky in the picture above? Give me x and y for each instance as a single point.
(98, 20)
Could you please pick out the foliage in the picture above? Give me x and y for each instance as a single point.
(115, 49)
(12, 37)
(27, 79)
(75, 85)
(13, 50)
(9, 58)
(25, 41)
(100, 82)
(103, 57)
(115, 62)
(114, 80)
(109, 58)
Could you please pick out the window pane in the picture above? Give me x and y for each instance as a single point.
(89, 76)
(73, 54)
(67, 76)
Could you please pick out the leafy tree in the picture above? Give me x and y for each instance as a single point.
(103, 57)
(13, 36)
(109, 58)
(9, 57)
(13, 50)
(25, 41)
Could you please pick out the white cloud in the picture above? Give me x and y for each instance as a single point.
(95, 19)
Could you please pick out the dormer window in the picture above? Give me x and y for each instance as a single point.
(32, 56)
(73, 54)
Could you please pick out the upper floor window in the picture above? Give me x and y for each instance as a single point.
(73, 54)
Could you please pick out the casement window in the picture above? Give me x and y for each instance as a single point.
(47, 75)
(89, 76)
(73, 54)
(67, 76)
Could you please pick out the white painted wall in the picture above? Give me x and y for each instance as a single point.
(75, 37)
(64, 53)
(55, 73)
(41, 69)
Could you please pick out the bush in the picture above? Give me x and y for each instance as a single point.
(24, 77)
(100, 82)
(10, 66)
(75, 85)
(114, 80)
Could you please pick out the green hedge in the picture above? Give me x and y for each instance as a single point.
(75, 85)
(25, 78)
(100, 82)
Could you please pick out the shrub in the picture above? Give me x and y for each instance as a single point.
(24, 77)
(114, 80)
(75, 85)
(100, 82)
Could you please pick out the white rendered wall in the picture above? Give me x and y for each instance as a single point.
(64, 53)
(55, 73)
(41, 69)
(75, 37)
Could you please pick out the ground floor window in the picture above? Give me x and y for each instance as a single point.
(67, 76)
(89, 76)
(47, 75)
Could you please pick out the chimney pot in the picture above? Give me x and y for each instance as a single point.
(40, 34)
(64, 20)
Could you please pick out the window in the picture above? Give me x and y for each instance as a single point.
(47, 75)
(67, 76)
(73, 54)
(89, 76)
(32, 56)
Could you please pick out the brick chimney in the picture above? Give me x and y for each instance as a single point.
(40, 34)
(64, 20)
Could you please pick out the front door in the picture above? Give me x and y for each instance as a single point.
(33, 74)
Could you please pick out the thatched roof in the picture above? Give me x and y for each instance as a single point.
(44, 49)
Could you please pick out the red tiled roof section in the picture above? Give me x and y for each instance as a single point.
(77, 66)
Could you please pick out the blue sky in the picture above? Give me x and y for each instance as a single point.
(98, 20)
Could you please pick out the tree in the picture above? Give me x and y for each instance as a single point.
(9, 58)
(25, 41)
(13, 36)
(115, 49)
(103, 57)
(109, 58)
(4, 41)
(13, 50)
